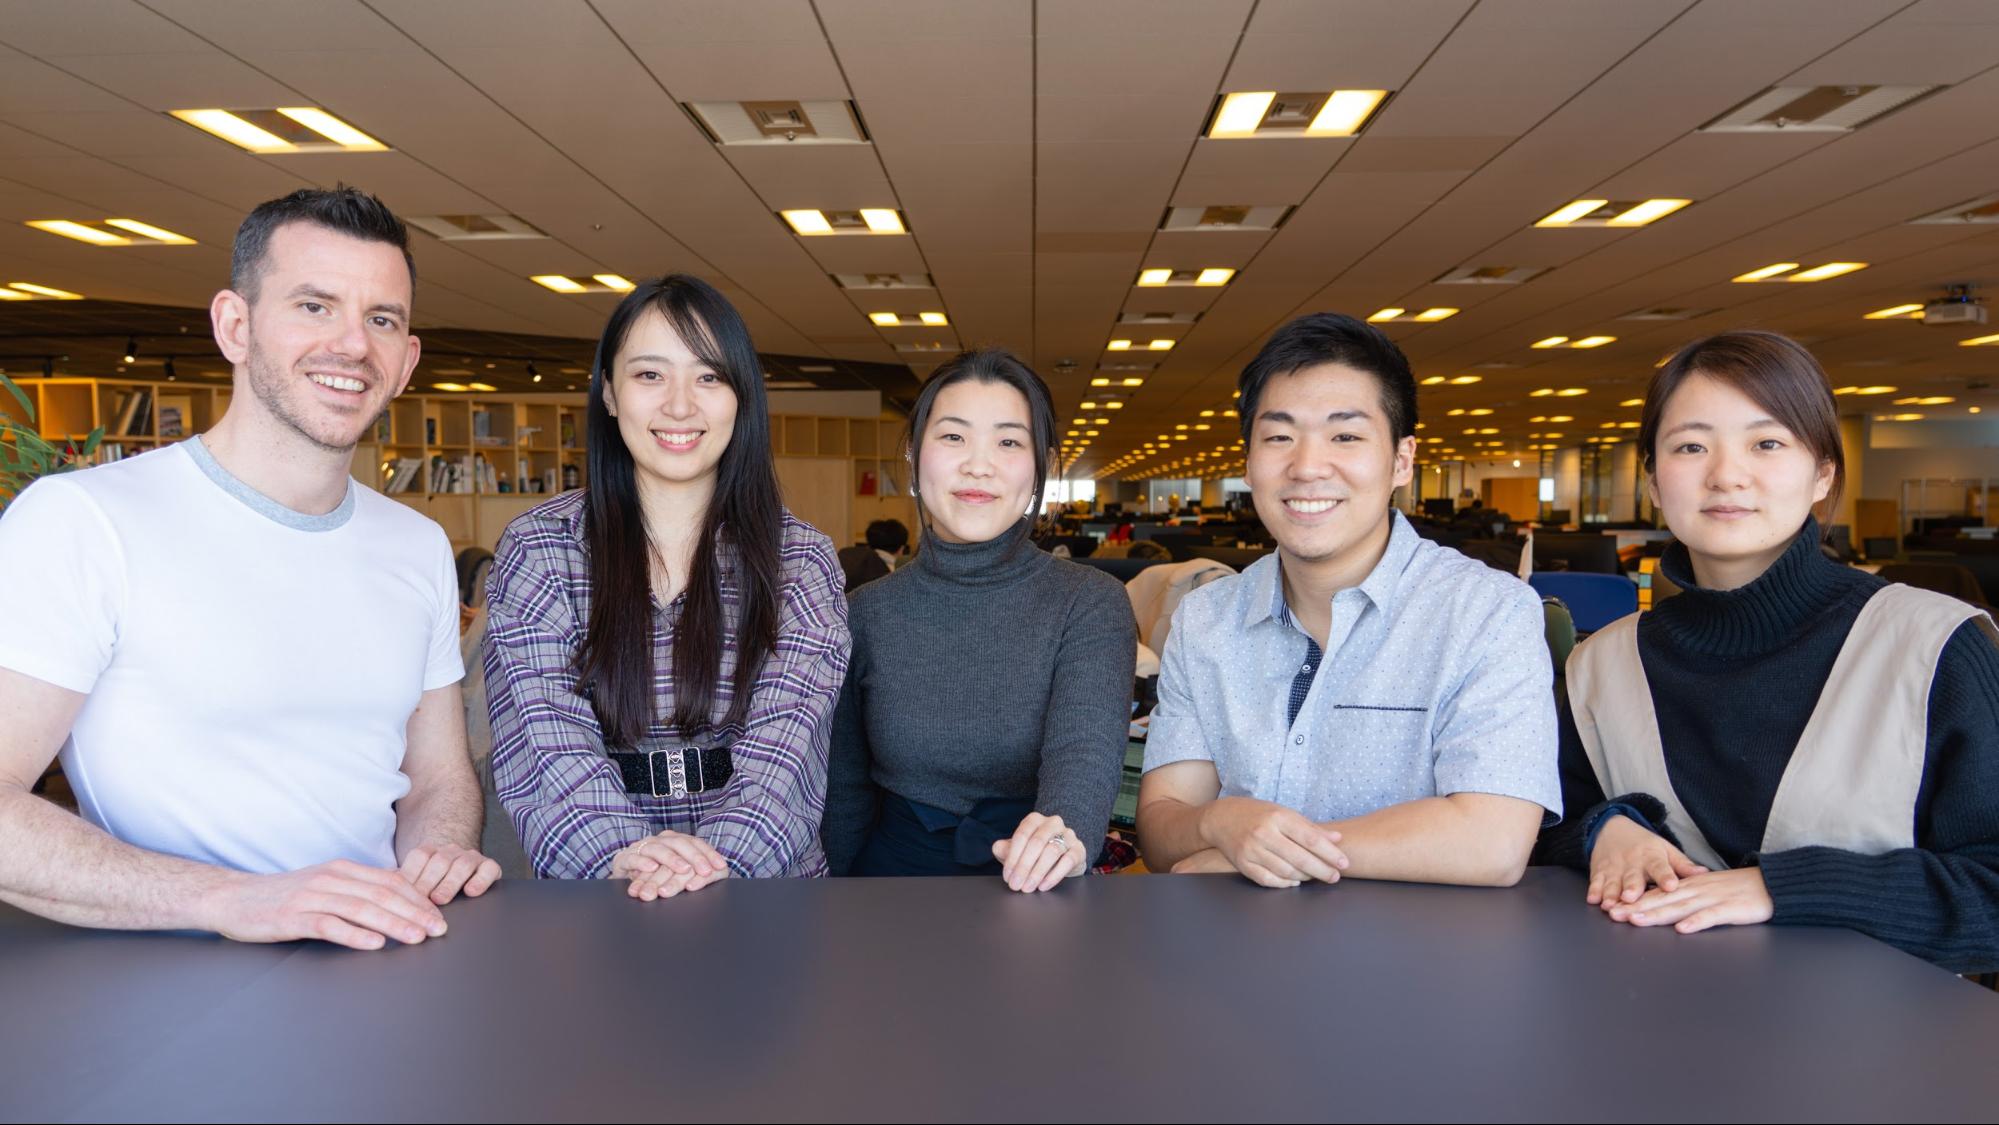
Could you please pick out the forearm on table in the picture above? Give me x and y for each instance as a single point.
(1438, 840)
(1169, 830)
(443, 807)
(55, 864)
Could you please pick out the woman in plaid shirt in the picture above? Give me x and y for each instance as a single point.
(666, 645)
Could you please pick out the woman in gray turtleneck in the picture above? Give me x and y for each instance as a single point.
(982, 726)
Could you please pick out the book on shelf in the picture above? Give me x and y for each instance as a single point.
(124, 413)
(430, 431)
(170, 422)
(482, 424)
(569, 431)
(141, 422)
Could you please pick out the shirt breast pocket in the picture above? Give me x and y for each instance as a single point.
(1384, 751)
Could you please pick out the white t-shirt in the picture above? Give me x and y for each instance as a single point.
(251, 669)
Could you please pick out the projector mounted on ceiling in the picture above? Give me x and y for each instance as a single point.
(1957, 307)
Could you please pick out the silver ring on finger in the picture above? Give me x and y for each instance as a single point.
(1058, 841)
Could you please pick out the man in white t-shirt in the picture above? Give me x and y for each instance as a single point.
(248, 662)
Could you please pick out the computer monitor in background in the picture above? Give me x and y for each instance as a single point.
(1439, 507)
(1558, 516)
(1879, 548)
(1586, 552)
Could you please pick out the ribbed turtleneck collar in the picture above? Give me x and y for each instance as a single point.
(1761, 616)
(1008, 557)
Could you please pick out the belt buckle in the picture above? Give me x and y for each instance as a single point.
(676, 773)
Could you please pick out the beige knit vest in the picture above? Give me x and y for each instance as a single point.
(1852, 780)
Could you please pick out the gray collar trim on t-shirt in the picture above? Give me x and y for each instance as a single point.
(263, 505)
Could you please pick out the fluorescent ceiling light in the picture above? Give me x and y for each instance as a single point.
(1154, 277)
(556, 282)
(1345, 112)
(1766, 272)
(1432, 380)
(79, 232)
(235, 130)
(1569, 214)
(1431, 316)
(1466, 380)
(1649, 211)
(1830, 269)
(1593, 341)
(1551, 342)
(1120, 345)
(453, 387)
(934, 319)
(882, 220)
(885, 319)
(46, 291)
(807, 221)
(613, 281)
(1241, 113)
(148, 230)
(1134, 382)
(1160, 346)
(1974, 342)
(333, 129)
(1214, 276)
(1894, 312)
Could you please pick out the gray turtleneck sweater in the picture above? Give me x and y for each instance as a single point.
(983, 670)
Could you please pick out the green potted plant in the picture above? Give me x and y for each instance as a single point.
(26, 456)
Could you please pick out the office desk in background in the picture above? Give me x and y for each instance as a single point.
(1111, 999)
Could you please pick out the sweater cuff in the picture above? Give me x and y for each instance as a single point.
(1646, 810)
(1817, 886)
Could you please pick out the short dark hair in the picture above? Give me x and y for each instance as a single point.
(985, 365)
(1776, 373)
(349, 211)
(1333, 338)
(888, 535)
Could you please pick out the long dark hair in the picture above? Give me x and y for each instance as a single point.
(1774, 372)
(983, 365)
(615, 663)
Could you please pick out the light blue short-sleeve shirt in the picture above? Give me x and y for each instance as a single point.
(1435, 680)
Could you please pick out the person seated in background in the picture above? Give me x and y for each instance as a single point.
(982, 727)
(665, 645)
(886, 546)
(248, 662)
(1362, 702)
(1786, 739)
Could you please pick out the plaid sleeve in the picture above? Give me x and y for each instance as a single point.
(767, 822)
(564, 796)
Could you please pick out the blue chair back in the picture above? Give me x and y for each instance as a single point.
(1594, 600)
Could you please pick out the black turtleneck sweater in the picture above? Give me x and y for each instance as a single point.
(1735, 676)
(983, 670)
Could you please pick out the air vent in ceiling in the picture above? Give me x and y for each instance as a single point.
(1225, 217)
(1984, 209)
(780, 123)
(475, 228)
(1158, 317)
(1126, 368)
(931, 346)
(882, 280)
(1666, 313)
(1815, 109)
(1491, 275)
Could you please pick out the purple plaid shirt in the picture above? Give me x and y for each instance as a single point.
(566, 798)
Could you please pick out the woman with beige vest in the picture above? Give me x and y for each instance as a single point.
(1787, 740)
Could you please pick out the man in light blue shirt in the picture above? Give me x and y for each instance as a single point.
(1363, 702)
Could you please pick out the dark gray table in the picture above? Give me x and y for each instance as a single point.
(1113, 999)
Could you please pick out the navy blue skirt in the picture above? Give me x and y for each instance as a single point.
(911, 838)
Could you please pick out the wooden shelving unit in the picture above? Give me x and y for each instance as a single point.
(448, 455)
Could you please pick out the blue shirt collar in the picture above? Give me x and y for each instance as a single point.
(1264, 600)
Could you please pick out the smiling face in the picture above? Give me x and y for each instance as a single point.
(325, 340)
(674, 412)
(1735, 484)
(975, 461)
(1323, 465)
